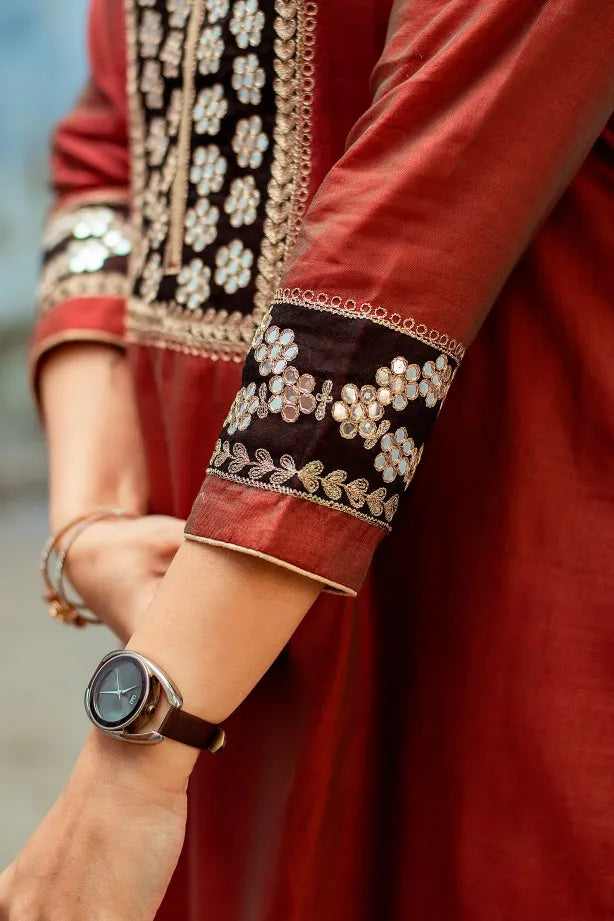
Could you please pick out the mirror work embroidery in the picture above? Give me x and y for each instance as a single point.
(306, 402)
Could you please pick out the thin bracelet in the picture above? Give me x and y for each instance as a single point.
(60, 607)
(80, 527)
(51, 595)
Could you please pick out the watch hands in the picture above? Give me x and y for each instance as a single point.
(119, 693)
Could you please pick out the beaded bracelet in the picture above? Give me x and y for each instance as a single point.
(60, 607)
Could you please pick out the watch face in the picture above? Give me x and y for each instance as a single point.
(118, 690)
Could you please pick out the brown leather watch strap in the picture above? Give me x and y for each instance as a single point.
(191, 730)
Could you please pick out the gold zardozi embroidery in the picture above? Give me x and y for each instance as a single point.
(262, 471)
(211, 331)
(360, 409)
(82, 237)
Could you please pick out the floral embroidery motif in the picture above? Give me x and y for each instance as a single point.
(247, 23)
(398, 383)
(151, 278)
(334, 485)
(201, 225)
(242, 202)
(208, 169)
(358, 411)
(250, 142)
(292, 394)
(179, 10)
(436, 380)
(152, 85)
(248, 79)
(243, 408)
(171, 53)
(399, 456)
(217, 9)
(210, 50)
(234, 263)
(86, 256)
(210, 108)
(156, 144)
(150, 33)
(93, 221)
(193, 284)
(403, 382)
(155, 210)
(274, 349)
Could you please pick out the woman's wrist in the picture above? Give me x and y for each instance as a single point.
(66, 508)
(153, 773)
(92, 543)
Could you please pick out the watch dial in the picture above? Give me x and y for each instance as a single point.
(118, 690)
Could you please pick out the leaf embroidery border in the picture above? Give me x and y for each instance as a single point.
(312, 477)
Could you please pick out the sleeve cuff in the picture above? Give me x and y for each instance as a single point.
(310, 538)
(88, 319)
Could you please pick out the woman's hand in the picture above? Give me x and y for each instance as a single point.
(108, 847)
(116, 565)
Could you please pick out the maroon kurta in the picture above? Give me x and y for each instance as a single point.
(436, 742)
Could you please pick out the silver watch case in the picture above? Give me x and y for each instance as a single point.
(155, 679)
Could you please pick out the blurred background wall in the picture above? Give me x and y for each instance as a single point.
(42, 64)
(43, 666)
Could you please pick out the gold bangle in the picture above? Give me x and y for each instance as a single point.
(60, 607)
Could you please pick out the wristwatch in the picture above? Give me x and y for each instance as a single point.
(124, 700)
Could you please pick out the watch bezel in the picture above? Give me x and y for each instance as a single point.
(146, 693)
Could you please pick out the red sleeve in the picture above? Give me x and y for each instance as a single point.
(86, 240)
(482, 112)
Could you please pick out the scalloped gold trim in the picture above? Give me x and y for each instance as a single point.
(299, 297)
(288, 189)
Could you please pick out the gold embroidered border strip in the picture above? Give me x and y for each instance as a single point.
(98, 284)
(211, 333)
(85, 244)
(377, 314)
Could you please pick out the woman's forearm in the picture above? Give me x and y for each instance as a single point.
(218, 621)
(96, 454)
